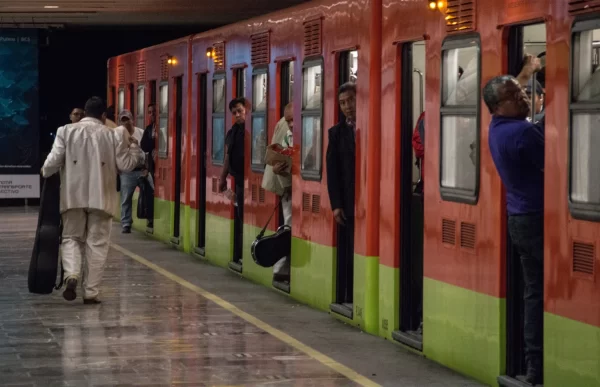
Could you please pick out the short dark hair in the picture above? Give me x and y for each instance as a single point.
(151, 104)
(491, 91)
(237, 101)
(461, 70)
(348, 86)
(95, 107)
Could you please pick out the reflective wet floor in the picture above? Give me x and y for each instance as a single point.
(157, 327)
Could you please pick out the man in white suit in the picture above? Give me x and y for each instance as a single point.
(88, 155)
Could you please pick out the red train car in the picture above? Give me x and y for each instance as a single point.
(435, 270)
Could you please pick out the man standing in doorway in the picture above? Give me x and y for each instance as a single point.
(278, 181)
(88, 156)
(517, 148)
(234, 164)
(149, 147)
(129, 180)
(341, 158)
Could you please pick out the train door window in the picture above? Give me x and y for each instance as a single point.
(411, 196)
(287, 85)
(111, 98)
(460, 120)
(218, 120)
(584, 186)
(163, 119)
(259, 118)
(121, 100)
(141, 107)
(240, 82)
(312, 125)
(131, 102)
(522, 40)
(348, 70)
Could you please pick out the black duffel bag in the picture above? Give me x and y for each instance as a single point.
(267, 251)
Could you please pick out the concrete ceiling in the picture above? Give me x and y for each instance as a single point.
(44, 13)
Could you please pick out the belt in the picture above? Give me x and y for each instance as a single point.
(138, 169)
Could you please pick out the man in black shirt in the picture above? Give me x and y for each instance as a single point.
(234, 165)
(148, 145)
(341, 156)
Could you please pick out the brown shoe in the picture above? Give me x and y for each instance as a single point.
(70, 294)
(91, 301)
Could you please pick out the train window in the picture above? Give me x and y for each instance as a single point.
(585, 119)
(459, 174)
(218, 119)
(291, 82)
(121, 100)
(312, 126)
(141, 107)
(259, 118)
(163, 119)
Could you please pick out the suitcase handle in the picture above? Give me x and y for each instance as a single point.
(262, 232)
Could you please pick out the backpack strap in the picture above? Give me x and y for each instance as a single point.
(262, 232)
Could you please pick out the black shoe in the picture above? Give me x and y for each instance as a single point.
(150, 224)
(91, 301)
(281, 278)
(70, 294)
(126, 230)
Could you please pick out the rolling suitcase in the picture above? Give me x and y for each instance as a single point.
(45, 256)
(267, 251)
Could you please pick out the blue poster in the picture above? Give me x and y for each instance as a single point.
(19, 121)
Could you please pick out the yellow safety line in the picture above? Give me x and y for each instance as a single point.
(321, 358)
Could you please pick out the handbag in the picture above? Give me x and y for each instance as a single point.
(267, 251)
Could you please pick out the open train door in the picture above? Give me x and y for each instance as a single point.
(344, 305)
(522, 40)
(177, 158)
(202, 151)
(238, 220)
(411, 199)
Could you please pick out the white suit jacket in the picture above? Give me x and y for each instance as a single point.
(88, 156)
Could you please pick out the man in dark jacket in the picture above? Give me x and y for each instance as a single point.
(148, 145)
(234, 166)
(341, 175)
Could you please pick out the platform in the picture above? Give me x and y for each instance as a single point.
(168, 319)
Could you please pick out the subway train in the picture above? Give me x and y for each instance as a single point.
(434, 271)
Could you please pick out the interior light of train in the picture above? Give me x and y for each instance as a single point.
(210, 52)
(50, 6)
(432, 5)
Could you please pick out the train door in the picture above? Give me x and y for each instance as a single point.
(348, 70)
(202, 149)
(529, 39)
(238, 220)
(411, 196)
(177, 156)
(286, 95)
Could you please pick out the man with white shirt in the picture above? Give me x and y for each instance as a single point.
(129, 180)
(88, 155)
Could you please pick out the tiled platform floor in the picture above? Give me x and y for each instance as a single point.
(152, 331)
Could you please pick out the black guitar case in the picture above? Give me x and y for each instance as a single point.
(145, 206)
(267, 251)
(44, 258)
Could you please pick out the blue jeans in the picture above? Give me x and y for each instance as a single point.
(527, 234)
(129, 182)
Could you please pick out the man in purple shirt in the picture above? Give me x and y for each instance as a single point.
(517, 148)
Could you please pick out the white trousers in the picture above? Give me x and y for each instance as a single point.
(282, 266)
(85, 238)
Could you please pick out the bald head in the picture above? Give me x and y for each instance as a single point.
(288, 114)
(504, 96)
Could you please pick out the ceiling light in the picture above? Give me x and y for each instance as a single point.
(50, 6)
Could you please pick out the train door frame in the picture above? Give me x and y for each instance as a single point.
(202, 125)
(178, 83)
(411, 211)
(515, 343)
(344, 284)
(285, 97)
(236, 264)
